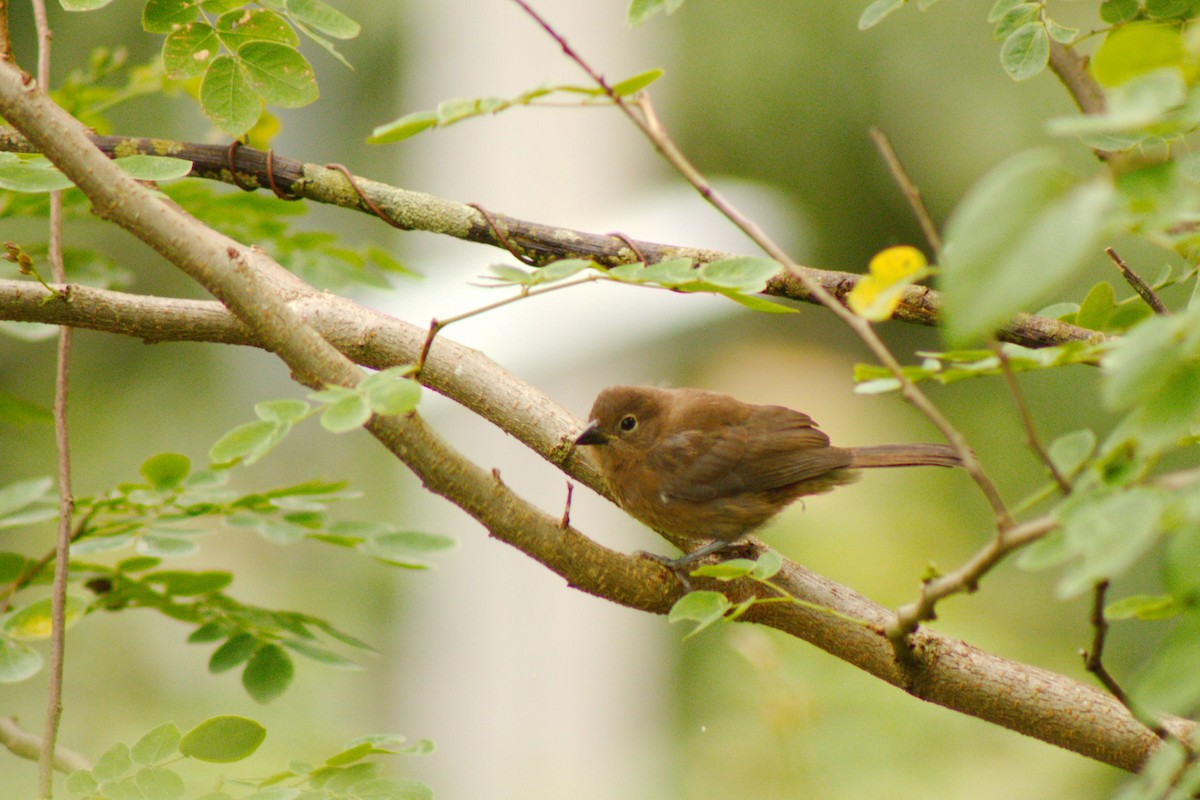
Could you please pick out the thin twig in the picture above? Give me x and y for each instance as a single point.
(66, 501)
(1144, 290)
(911, 193)
(965, 578)
(1031, 437)
(436, 325)
(647, 122)
(1093, 661)
(565, 522)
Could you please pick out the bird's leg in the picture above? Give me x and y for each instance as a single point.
(680, 566)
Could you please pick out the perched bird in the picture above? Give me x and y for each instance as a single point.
(700, 465)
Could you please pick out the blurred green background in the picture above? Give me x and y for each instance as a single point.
(530, 689)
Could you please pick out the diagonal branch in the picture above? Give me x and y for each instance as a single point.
(949, 672)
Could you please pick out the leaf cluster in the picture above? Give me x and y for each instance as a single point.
(149, 769)
(245, 56)
(740, 279)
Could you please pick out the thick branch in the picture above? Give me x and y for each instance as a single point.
(21, 743)
(1072, 69)
(947, 672)
(540, 243)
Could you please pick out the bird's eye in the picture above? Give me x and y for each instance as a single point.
(628, 422)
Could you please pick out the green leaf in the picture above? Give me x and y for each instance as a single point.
(346, 414)
(1167, 9)
(636, 83)
(1180, 576)
(81, 782)
(391, 391)
(158, 745)
(743, 274)
(12, 566)
(1026, 51)
(154, 168)
(123, 789)
(1110, 533)
(250, 441)
(503, 273)
(1132, 50)
(268, 673)
(641, 10)
(32, 175)
(159, 783)
(18, 661)
(406, 126)
(324, 17)
(1139, 364)
(1001, 8)
(1019, 14)
(875, 13)
(1071, 451)
(279, 74)
(761, 304)
(228, 97)
(100, 544)
(34, 620)
(113, 763)
(164, 16)
(236, 650)
(670, 272)
(390, 789)
(19, 495)
(768, 564)
(320, 654)
(165, 470)
(282, 410)
(83, 5)
(1115, 12)
(1097, 308)
(165, 546)
(701, 607)
(189, 49)
(729, 570)
(561, 270)
(1169, 684)
(223, 739)
(1028, 211)
(189, 584)
(242, 25)
(1063, 34)
(408, 548)
(1143, 607)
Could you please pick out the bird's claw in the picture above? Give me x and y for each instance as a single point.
(679, 570)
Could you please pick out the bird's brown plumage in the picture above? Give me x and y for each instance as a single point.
(704, 465)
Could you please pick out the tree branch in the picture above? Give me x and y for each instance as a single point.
(23, 744)
(268, 304)
(539, 243)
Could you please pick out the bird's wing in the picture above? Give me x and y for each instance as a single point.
(773, 447)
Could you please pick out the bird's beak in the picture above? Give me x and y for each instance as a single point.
(592, 435)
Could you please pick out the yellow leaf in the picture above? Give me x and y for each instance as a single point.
(877, 294)
(897, 263)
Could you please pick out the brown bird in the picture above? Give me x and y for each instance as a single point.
(701, 465)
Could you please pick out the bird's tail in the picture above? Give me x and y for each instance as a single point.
(904, 455)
